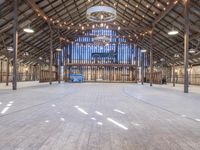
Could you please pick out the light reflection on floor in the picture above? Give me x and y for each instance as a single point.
(119, 111)
(81, 110)
(101, 114)
(8, 105)
(117, 123)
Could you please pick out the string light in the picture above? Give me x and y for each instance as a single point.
(175, 2)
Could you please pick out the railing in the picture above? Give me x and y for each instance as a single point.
(105, 73)
(20, 77)
(194, 79)
(45, 76)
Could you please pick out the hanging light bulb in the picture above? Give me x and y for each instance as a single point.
(101, 25)
(119, 28)
(101, 17)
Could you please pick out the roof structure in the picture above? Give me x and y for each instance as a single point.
(138, 19)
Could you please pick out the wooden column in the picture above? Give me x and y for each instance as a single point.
(186, 45)
(7, 72)
(145, 67)
(142, 69)
(173, 75)
(136, 63)
(151, 60)
(1, 77)
(40, 72)
(59, 61)
(15, 44)
(51, 56)
(59, 70)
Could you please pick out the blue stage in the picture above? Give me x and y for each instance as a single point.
(76, 75)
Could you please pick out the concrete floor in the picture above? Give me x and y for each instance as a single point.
(99, 116)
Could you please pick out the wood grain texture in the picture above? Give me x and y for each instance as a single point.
(63, 117)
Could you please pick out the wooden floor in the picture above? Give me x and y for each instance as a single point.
(99, 116)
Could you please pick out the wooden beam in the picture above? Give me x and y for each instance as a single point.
(164, 13)
(38, 10)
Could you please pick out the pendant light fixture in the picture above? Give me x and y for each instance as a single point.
(143, 50)
(192, 51)
(173, 32)
(58, 49)
(28, 29)
(10, 48)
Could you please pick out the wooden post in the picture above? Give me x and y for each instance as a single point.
(1, 77)
(7, 72)
(173, 75)
(186, 45)
(51, 56)
(40, 71)
(151, 60)
(142, 69)
(15, 44)
(59, 67)
(136, 63)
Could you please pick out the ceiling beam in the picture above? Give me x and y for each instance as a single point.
(39, 11)
(164, 13)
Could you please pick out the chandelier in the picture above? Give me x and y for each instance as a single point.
(101, 14)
